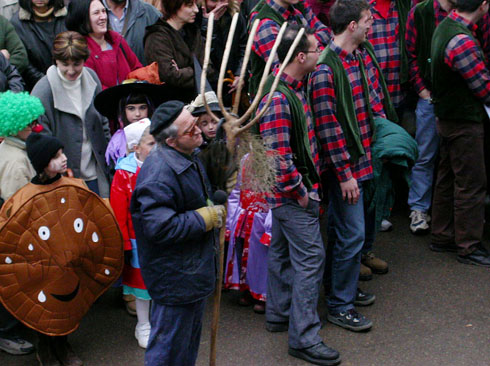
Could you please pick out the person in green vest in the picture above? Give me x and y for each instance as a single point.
(296, 252)
(421, 23)
(272, 14)
(460, 88)
(347, 92)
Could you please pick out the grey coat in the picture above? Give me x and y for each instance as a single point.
(61, 121)
(141, 15)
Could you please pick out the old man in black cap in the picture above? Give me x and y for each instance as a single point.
(174, 221)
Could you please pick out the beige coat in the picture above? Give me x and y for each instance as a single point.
(15, 168)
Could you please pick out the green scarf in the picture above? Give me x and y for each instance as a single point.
(346, 112)
(257, 63)
(299, 139)
(403, 8)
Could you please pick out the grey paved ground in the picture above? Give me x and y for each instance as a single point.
(430, 311)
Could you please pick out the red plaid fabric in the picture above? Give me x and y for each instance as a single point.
(329, 132)
(275, 129)
(267, 31)
(462, 56)
(384, 38)
(411, 44)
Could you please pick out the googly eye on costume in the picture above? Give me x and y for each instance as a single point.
(78, 225)
(44, 233)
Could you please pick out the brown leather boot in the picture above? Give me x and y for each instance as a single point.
(45, 353)
(365, 273)
(64, 352)
(377, 265)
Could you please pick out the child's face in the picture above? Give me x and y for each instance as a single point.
(142, 150)
(57, 165)
(136, 112)
(207, 125)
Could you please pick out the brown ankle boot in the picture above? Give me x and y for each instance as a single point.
(365, 273)
(45, 353)
(64, 352)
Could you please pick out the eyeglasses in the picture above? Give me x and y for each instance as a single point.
(317, 50)
(190, 131)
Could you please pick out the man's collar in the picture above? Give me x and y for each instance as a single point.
(285, 13)
(108, 8)
(343, 54)
(292, 82)
(455, 16)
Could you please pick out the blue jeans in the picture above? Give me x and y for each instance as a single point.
(175, 334)
(346, 238)
(295, 269)
(422, 176)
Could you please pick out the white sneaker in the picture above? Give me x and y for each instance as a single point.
(142, 334)
(419, 223)
(386, 225)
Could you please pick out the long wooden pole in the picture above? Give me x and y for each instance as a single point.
(217, 294)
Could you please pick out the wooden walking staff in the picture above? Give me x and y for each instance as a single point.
(234, 126)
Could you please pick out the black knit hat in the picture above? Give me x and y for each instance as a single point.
(165, 115)
(41, 149)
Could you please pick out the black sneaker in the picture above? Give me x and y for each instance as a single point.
(351, 320)
(364, 298)
(319, 354)
(441, 248)
(479, 257)
(275, 327)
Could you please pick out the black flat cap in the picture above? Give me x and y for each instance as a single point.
(165, 115)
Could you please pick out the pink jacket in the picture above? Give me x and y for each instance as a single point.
(112, 66)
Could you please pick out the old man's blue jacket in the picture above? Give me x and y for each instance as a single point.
(176, 254)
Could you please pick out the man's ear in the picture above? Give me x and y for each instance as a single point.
(352, 26)
(170, 141)
(301, 57)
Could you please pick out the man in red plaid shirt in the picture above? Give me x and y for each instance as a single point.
(461, 87)
(387, 36)
(345, 95)
(421, 23)
(272, 14)
(296, 253)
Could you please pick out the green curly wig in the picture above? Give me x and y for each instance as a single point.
(18, 110)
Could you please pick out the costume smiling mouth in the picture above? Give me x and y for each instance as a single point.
(67, 297)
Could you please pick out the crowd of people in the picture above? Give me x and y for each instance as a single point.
(103, 98)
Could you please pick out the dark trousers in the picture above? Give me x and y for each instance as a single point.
(458, 210)
(175, 334)
(295, 270)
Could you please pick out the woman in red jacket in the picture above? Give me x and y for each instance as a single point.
(110, 56)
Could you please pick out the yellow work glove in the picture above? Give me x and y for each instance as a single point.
(213, 216)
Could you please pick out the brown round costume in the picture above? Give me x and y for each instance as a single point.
(60, 249)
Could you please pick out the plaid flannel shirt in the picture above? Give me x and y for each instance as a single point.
(268, 29)
(411, 44)
(334, 152)
(384, 38)
(462, 56)
(275, 129)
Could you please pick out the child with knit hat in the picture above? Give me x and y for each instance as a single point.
(47, 158)
(139, 144)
